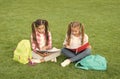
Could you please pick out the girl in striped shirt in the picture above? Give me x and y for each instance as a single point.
(41, 40)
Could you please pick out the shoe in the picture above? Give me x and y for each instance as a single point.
(54, 60)
(65, 62)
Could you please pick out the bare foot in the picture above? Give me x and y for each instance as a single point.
(42, 60)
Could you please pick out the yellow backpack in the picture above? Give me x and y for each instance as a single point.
(23, 52)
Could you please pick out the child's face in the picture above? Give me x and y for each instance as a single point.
(41, 29)
(75, 30)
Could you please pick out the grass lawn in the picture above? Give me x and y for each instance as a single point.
(101, 18)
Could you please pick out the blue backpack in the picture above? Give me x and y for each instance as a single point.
(95, 62)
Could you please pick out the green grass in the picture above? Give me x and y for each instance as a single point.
(101, 18)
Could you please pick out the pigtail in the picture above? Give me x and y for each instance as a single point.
(33, 31)
(46, 31)
(34, 34)
(69, 33)
(82, 32)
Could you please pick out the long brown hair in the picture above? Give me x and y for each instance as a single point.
(75, 24)
(36, 24)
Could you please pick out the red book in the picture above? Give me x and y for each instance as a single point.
(81, 48)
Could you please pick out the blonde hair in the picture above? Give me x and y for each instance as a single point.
(75, 24)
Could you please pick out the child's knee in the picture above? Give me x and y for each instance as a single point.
(63, 50)
(88, 51)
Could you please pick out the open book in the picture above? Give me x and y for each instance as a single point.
(79, 49)
(50, 50)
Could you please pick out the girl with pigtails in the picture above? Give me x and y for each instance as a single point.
(41, 40)
(76, 44)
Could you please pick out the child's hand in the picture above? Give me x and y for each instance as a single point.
(43, 48)
(67, 46)
(46, 54)
(89, 46)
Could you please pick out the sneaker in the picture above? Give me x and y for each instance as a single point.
(54, 60)
(65, 62)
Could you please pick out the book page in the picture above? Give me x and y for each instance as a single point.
(50, 50)
(53, 50)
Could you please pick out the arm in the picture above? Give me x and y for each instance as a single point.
(86, 41)
(65, 43)
(49, 46)
(33, 45)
